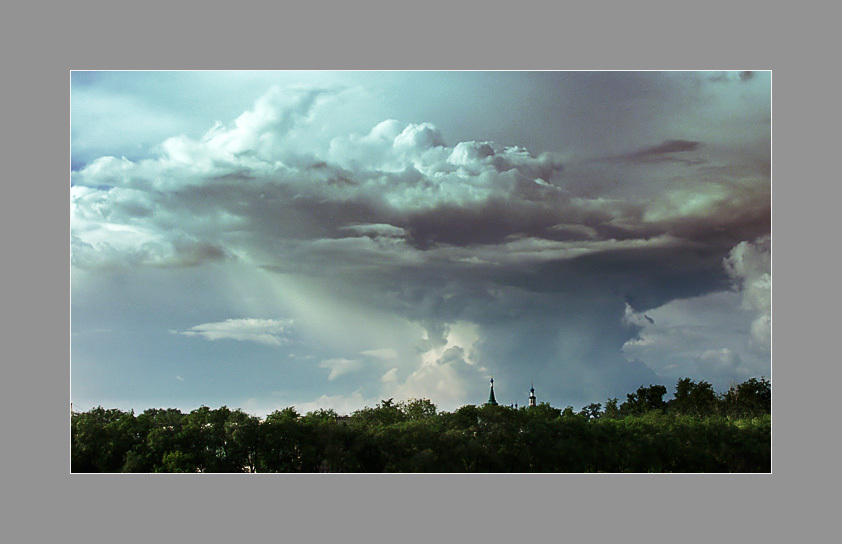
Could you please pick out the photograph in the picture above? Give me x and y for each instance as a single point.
(352, 271)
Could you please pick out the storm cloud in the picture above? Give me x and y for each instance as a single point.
(458, 259)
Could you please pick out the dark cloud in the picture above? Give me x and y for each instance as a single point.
(190, 253)
(665, 151)
(522, 264)
(645, 277)
(670, 146)
(491, 223)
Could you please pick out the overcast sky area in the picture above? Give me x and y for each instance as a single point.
(331, 239)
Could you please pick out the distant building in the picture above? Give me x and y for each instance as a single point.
(491, 399)
(533, 400)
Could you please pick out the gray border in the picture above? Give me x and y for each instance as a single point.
(40, 45)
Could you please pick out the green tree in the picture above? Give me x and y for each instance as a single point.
(592, 410)
(281, 437)
(204, 440)
(160, 431)
(751, 398)
(101, 439)
(465, 418)
(322, 439)
(498, 431)
(385, 413)
(418, 409)
(612, 411)
(178, 461)
(691, 435)
(543, 411)
(644, 400)
(242, 433)
(695, 399)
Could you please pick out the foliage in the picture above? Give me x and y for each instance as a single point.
(696, 431)
(644, 400)
(101, 439)
(612, 410)
(695, 399)
(592, 410)
(749, 399)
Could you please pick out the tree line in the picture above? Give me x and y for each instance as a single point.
(697, 430)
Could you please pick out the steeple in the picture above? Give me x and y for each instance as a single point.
(491, 399)
(532, 400)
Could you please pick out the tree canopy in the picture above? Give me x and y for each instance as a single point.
(695, 431)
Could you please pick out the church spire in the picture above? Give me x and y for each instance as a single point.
(532, 400)
(491, 399)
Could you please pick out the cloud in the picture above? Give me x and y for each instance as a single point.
(271, 332)
(749, 264)
(446, 372)
(417, 138)
(376, 231)
(724, 336)
(701, 337)
(385, 234)
(250, 191)
(341, 404)
(745, 76)
(636, 319)
(119, 227)
(258, 135)
(665, 151)
(141, 248)
(390, 377)
(723, 363)
(340, 367)
(382, 354)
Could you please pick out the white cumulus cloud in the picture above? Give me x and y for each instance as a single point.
(721, 337)
(339, 367)
(750, 266)
(271, 332)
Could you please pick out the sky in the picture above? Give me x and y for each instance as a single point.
(332, 239)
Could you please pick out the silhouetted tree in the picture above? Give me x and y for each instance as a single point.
(695, 399)
(644, 400)
(592, 410)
